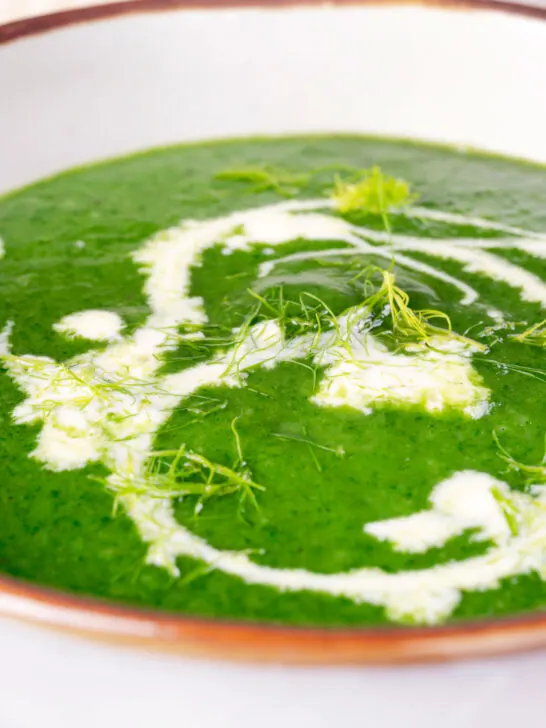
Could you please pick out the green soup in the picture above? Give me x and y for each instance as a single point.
(297, 380)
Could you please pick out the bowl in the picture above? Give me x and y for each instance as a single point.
(88, 84)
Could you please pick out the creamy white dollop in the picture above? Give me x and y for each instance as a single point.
(362, 373)
(465, 501)
(93, 325)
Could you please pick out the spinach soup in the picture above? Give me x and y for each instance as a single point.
(295, 380)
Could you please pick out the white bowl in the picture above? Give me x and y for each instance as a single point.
(100, 87)
(80, 86)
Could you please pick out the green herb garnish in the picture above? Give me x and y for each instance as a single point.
(534, 474)
(534, 336)
(374, 192)
(265, 179)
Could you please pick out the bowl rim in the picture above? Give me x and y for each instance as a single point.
(243, 639)
(43, 23)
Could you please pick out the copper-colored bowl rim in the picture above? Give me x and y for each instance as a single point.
(244, 639)
(53, 21)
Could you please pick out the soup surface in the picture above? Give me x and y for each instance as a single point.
(298, 380)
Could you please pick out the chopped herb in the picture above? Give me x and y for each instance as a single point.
(375, 192)
(534, 336)
(509, 510)
(534, 474)
(264, 179)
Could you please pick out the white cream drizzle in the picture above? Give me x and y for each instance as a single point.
(470, 253)
(531, 287)
(425, 595)
(108, 405)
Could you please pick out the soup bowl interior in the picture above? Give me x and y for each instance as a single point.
(96, 89)
(116, 80)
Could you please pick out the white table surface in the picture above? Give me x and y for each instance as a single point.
(119, 688)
